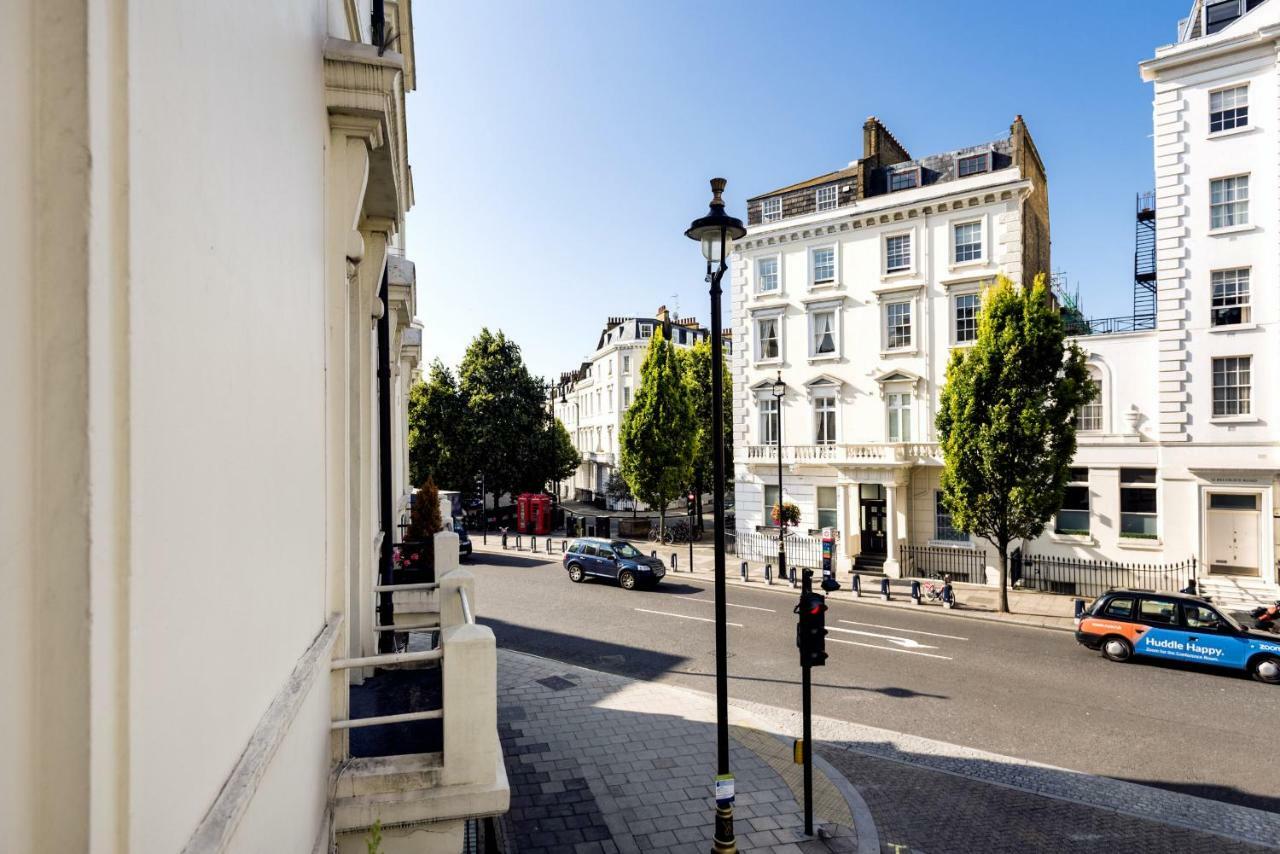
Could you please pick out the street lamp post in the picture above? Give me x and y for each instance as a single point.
(779, 389)
(716, 232)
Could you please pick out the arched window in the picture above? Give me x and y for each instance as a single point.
(1090, 414)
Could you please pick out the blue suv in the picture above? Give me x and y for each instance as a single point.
(616, 560)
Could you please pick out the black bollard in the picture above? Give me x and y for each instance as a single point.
(768, 574)
(1079, 608)
(915, 592)
(884, 589)
(744, 571)
(856, 585)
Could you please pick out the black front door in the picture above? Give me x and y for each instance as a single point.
(873, 514)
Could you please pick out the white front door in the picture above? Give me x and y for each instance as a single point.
(1232, 529)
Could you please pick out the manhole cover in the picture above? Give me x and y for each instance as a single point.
(556, 683)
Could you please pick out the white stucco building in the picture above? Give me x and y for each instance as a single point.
(590, 401)
(203, 219)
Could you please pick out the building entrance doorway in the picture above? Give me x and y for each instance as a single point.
(1231, 531)
(872, 518)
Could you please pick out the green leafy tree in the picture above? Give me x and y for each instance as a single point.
(697, 361)
(658, 429)
(1007, 420)
(438, 445)
(562, 458)
(619, 490)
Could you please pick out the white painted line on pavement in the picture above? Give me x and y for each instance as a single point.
(730, 604)
(684, 617)
(908, 631)
(890, 649)
(909, 643)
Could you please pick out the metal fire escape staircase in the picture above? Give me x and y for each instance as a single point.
(1144, 262)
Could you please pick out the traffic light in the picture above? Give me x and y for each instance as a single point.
(811, 630)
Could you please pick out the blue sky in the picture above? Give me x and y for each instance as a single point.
(560, 149)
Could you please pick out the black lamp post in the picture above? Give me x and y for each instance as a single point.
(779, 390)
(716, 232)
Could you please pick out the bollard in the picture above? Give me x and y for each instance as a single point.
(948, 596)
(519, 541)
(675, 558)
(915, 592)
(791, 573)
(768, 574)
(1079, 608)
(884, 589)
(653, 553)
(533, 544)
(564, 546)
(744, 571)
(856, 584)
(548, 545)
(504, 540)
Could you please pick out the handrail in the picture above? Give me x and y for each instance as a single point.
(466, 607)
(407, 627)
(400, 588)
(354, 723)
(385, 659)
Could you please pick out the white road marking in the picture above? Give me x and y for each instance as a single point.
(730, 604)
(909, 643)
(684, 616)
(890, 649)
(908, 631)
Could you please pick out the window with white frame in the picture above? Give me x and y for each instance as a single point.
(1228, 108)
(626, 396)
(1073, 517)
(897, 325)
(898, 405)
(822, 328)
(904, 179)
(826, 501)
(827, 197)
(822, 261)
(768, 342)
(1232, 385)
(968, 241)
(1089, 416)
(972, 164)
(771, 210)
(626, 364)
(966, 317)
(646, 330)
(1230, 297)
(897, 253)
(770, 501)
(1139, 510)
(768, 420)
(1229, 201)
(766, 275)
(610, 371)
(824, 414)
(942, 527)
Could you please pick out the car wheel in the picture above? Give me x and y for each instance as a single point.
(575, 573)
(1266, 668)
(1117, 648)
(627, 579)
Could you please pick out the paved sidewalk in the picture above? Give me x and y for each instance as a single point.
(604, 763)
(1040, 610)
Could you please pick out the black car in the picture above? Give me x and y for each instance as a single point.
(616, 560)
(464, 541)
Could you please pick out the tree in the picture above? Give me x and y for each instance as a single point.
(619, 490)
(657, 435)
(697, 361)
(438, 445)
(1007, 420)
(562, 458)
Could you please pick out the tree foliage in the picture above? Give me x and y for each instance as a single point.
(1007, 419)
(619, 490)
(697, 361)
(657, 436)
(491, 420)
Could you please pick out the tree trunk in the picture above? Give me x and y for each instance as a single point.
(662, 519)
(1004, 578)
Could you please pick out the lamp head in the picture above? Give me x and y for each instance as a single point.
(717, 230)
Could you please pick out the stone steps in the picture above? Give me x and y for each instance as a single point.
(1242, 592)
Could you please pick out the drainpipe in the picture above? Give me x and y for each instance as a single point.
(386, 608)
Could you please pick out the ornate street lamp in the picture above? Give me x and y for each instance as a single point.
(779, 391)
(716, 232)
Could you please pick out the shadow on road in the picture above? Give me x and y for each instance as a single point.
(596, 654)
(508, 559)
(891, 691)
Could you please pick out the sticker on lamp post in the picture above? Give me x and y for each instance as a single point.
(724, 789)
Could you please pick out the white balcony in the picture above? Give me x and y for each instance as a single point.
(861, 454)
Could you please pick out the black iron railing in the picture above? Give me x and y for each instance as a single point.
(1109, 325)
(1091, 578)
(962, 564)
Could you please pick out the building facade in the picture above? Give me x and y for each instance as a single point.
(591, 400)
(208, 337)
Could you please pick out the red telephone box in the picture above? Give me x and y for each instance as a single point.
(533, 513)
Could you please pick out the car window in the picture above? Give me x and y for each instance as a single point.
(575, 548)
(588, 549)
(1121, 606)
(1201, 617)
(1158, 611)
(605, 552)
(627, 550)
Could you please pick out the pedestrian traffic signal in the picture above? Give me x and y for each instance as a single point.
(811, 629)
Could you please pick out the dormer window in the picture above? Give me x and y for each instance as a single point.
(973, 164)
(827, 197)
(905, 179)
(771, 210)
(1217, 16)
(646, 330)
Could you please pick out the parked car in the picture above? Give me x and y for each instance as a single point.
(1128, 623)
(616, 560)
(464, 540)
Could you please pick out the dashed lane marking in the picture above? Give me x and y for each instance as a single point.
(730, 604)
(684, 616)
(908, 631)
(890, 649)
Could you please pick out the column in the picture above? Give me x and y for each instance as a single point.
(891, 566)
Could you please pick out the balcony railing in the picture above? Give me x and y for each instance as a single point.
(877, 453)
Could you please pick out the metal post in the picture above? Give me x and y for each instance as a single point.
(782, 523)
(386, 573)
(723, 840)
(674, 557)
(807, 713)
(691, 551)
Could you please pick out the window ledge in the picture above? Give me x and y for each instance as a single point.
(1235, 419)
(1232, 229)
(901, 351)
(1073, 539)
(1240, 131)
(963, 345)
(828, 285)
(1232, 327)
(961, 266)
(832, 357)
(760, 362)
(1139, 544)
(891, 275)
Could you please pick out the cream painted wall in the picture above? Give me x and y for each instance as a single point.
(17, 635)
(227, 243)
